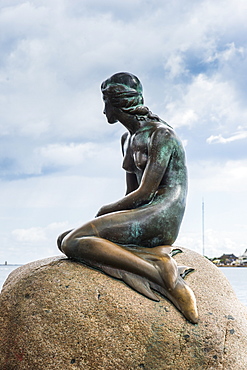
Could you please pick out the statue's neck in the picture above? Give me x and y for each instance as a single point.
(130, 122)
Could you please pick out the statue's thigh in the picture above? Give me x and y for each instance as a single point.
(127, 227)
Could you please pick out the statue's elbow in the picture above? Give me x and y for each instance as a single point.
(146, 197)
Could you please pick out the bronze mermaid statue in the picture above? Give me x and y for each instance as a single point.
(131, 239)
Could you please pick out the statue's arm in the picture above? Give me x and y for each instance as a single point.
(131, 183)
(160, 150)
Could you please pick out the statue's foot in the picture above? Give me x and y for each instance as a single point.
(182, 297)
(168, 271)
(165, 274)
(161, 258)
(167, 280)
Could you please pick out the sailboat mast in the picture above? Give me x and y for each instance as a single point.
(203, 239)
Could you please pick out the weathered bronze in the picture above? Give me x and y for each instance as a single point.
(131, 239)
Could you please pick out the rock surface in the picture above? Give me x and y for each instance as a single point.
(58, 314)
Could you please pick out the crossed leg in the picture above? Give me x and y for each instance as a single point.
(139, 267)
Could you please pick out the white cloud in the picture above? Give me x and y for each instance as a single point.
(220, 139)
(71, 155)
(68, 154)
(229, 53)
(49, 71)
(191, 59)
(39, 235)
(32, 235)
(207, 101)
(216, 242)
(210, 176)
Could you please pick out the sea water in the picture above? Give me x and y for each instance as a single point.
(5, 270)
(238, 280)
(237, 277)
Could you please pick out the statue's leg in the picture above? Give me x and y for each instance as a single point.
(102, 241)
(96, 251)
(145, 226)
(141, 268)
(61, 237)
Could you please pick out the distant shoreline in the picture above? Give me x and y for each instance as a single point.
(230, 266)
(9, 264)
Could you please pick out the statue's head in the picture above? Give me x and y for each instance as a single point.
(123, 90)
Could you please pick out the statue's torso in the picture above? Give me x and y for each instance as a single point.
(136, 155)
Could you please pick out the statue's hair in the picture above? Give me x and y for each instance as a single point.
(124, 91)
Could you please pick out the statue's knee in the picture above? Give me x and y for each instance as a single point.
(60, 239)
(65, 245)
(59, 242)
(69, 246)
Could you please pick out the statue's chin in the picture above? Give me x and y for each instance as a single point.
(112, 120)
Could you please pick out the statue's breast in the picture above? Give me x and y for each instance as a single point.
(128, 163)
(140, 159)
(140, 149)
(136, 153)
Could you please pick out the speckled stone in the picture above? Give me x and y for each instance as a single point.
(58, 314)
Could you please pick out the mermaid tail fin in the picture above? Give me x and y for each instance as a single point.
(140, 284)
(175, 251)
(163, 250)
(136, 282)
(183, 271)
(166, 265)
(171, 284)
(182, 297)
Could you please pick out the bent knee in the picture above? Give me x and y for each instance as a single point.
(59, 242)
(69, 246)
(61, 237)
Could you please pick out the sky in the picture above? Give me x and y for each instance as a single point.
(59, 159)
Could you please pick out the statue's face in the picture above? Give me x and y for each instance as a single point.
(110, 112)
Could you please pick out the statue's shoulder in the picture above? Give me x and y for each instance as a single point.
(164, 132)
